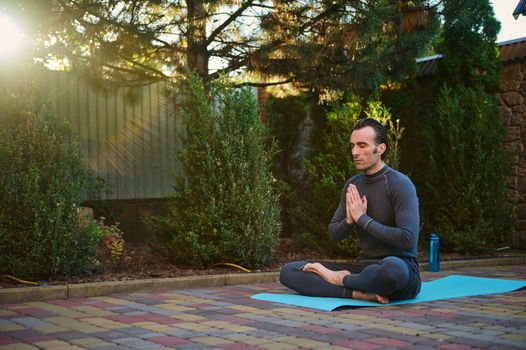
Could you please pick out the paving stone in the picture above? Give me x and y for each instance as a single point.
(413, 325)
(135, 343)
(166, 312)
(454, 346)
(195, 346)
(169, 340)
(358, 345)
(109, 335)
(69, 335)
(211, 341)
(238, 346)
(509, 342)
(469, 341)
(134, 330)
(109, 347)
(51, 344)
(30, 322)
(177, 332)
(50, 329)
(21, 334)
(20, 346)
(4, 340)
(218, 333)
(150, 335)
(278, 346)
(246, 339)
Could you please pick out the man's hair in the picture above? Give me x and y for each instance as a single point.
(380, 130)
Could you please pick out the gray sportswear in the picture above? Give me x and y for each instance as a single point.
(388, 235)
(390, 226)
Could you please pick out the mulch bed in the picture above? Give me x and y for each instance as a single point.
(142, 264)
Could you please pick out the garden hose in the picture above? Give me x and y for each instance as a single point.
(19, 280)
(234, 265)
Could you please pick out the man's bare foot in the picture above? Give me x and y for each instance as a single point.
(332, 277)
(356, 294)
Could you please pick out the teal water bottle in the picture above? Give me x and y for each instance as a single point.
(434, 253)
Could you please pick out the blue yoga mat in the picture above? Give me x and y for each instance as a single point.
(453, 286)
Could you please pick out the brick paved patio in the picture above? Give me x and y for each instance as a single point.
(226, 318)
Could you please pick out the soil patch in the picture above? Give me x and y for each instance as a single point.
(142, 264)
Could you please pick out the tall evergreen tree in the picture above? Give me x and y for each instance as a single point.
(320, 44)
(466, 167)
(467, 42)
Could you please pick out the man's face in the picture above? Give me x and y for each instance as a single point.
(365, 152)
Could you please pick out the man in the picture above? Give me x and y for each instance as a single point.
(381, 204)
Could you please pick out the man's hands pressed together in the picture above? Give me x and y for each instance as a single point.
(356, 206)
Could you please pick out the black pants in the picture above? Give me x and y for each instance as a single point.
(392, 277)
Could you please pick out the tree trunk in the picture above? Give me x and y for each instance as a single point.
(197, 54)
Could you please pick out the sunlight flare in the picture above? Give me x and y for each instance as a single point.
(12, 37)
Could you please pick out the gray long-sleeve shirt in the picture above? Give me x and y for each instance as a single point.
(391, 223)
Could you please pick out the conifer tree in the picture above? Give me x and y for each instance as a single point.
(322, 45)
(467, 166)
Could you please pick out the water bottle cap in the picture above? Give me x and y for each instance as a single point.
(434, 236)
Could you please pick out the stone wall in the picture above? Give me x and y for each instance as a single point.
(512, 100)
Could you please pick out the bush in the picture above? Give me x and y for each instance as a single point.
(40, 185)
(456, 153)
(467, 199)
(224, 208)
(111, 250)
(290, 121)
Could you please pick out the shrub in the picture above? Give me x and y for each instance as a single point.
(40, 185)
(467, 199)
(290, 122)
(460, 165)
(224, 207)
(111, 252)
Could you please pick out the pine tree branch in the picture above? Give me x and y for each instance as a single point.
(227, 22)
(264, 84)
(127, 27)
(264, 6)
(225, 47)
(145, 67)
(273, 45)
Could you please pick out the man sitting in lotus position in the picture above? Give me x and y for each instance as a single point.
(382, 205)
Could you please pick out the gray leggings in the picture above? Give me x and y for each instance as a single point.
(392, 277)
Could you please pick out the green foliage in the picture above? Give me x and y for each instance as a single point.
(467, 201)
(328, 170)
(350, 46)
(224, 208)
(468, 43)
(111, 252)
(316, 44)
(454, 144)
(40, 184)
(464, 179)
(288, 126)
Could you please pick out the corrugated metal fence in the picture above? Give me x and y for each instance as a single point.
(130, 145)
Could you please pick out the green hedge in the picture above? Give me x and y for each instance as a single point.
(40, 184)
(224, 208)
(466, 198)
(455, 145)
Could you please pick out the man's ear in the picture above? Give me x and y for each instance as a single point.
(381, 148)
